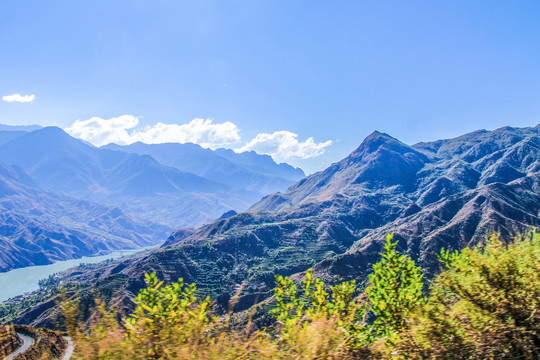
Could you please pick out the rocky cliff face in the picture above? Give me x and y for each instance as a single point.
(447, 193)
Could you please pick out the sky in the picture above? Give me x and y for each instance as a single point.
(303, 81)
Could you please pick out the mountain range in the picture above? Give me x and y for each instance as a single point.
(241, 171)
(136, 183)
(447, 193)
(139, 183)
(63, 198)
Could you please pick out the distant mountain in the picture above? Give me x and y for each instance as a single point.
(39, 227)
(23, 128)
(447, 193)
(68, 165)
(6, 136)
(242, 171)
(263, 164)
(137, 183)
(9, 132)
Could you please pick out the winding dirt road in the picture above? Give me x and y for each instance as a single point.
(69, 349)
(27, 342)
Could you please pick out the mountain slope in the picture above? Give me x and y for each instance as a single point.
(448, 193)
(379, 162)
(39, 227)
(6, 136)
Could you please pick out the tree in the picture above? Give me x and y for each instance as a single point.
(166, 315)
(395, 289)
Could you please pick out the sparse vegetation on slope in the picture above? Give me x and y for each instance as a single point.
(9, 342)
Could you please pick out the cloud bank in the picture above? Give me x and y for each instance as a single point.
(281, 145)
(18, 98)
(198, 131)
(100, 132)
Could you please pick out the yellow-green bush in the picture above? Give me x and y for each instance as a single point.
(485, 305)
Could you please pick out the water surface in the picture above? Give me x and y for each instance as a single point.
(18, 281)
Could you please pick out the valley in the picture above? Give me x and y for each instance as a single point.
(269, 180)
(64, 199)
(449, 193)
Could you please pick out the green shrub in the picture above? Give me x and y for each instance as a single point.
(395, 289)
(485, 305)
(341, 316)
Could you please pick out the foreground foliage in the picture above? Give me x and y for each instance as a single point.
(484, 305)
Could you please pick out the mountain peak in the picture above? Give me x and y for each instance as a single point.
(31, 148)
(378, 136)
(51, 130)
(380, 161)
(52, 133)
(378, 141)
(377, 133)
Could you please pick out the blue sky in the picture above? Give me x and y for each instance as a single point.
(293, 70)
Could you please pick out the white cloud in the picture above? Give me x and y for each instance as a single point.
(18, 98)
(100, 132)
(283, 145)
(198, 131)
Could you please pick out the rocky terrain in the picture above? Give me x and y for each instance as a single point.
(447, 193)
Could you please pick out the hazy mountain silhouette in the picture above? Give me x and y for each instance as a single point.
(22, 128)
(68, 165)
(38, 227)
(242, 171)
(137, 183)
